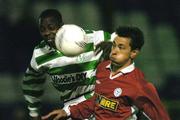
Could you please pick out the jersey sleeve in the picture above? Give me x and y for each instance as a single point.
(32, 87)
(100, 36)
(97, 36)
(83, 110)
(149, 103)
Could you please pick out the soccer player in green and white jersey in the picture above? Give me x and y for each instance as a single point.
(73, 77)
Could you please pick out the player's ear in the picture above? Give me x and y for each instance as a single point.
(134, 53)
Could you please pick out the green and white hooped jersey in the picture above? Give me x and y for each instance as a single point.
(71, 76)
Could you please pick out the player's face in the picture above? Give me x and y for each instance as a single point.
(121, 53)
(48, 29)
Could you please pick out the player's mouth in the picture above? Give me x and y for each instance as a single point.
(114, 62)
(112, 58)
(112, 55)
(51, 38)
(51, 42)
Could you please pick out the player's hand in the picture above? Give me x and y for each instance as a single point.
(106, 47)
(57, 114)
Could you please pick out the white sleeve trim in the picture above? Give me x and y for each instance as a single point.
(134, 109)
(67, 110)
(72, 102)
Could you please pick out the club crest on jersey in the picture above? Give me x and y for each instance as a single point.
(80, 58)
(117, 92)
(107, 103)
(98, 82)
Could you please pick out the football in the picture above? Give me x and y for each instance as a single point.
(70, 40)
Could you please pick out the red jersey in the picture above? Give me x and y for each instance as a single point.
(114, 97)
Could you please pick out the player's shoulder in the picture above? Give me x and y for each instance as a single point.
(138, 71)
(102, 70)
(139, 76)
(102, 65)
(41, 48)
(41, 44)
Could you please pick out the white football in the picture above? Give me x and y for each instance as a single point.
(71, 40)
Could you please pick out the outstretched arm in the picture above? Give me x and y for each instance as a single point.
(150, 104)
(104, 46)
(82, 110)
(103, 42)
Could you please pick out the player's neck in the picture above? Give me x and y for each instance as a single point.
(116, 68)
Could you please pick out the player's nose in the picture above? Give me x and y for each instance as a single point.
(46, 33)
(114, 50)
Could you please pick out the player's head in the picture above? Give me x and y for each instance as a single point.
(50, 20)
(126, 45)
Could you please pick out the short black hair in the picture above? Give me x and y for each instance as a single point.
(134, 33)
(52, 13)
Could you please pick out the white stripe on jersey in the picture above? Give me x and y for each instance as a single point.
(64, 60)
(42, 51)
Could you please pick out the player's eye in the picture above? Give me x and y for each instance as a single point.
(51, 27)
(121, 46)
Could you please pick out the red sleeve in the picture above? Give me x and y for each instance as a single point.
(149, 102)
(84, 109)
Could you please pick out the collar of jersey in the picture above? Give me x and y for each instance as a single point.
(125, 70)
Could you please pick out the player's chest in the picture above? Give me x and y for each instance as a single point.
(115, 88)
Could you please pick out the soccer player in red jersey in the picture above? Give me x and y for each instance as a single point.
(119, 86)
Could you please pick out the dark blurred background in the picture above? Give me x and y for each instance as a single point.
(159, 59)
